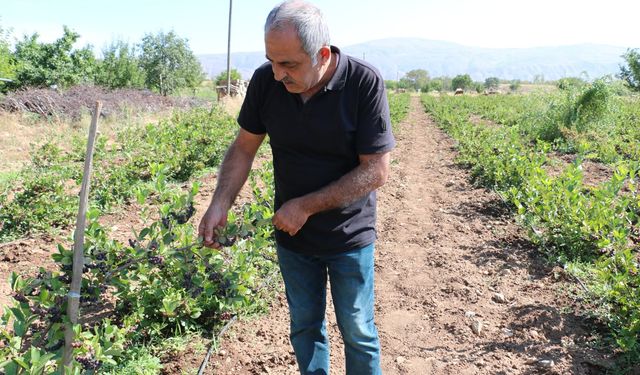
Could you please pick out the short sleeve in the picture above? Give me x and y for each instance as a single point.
(249, 116)
(374, 135)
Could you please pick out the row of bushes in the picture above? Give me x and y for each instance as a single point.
(593, 231)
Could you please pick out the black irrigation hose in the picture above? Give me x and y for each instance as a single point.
(216, 339)
(203, 365)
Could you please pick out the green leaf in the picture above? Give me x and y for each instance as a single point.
(143, 233)
(21, 363)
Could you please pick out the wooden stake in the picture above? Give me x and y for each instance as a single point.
(73, 299)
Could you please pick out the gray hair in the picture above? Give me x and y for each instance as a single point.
(306, 19)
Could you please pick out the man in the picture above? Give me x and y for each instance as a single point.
(328, 123)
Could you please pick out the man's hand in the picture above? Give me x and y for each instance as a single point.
(291, 216)
(214, 219)
(232, 175)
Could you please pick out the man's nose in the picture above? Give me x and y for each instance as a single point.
(278, 73)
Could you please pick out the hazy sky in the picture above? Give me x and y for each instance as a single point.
(480, 23)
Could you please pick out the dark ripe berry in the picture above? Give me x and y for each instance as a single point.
(64, 278)
(156, 260)
(55, 310)
(101, 256)
(67, 267)
(166, 222)
(225, 287)
(215, 277)
(227, 241)
(133, 243)
(37, 310)
(184, 216)
(88, 363)
(20, 297)
(153, 245)
(226, 316)
(195, 293)
(187, 283)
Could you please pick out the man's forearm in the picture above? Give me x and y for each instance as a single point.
(232, 175)
(363, 179)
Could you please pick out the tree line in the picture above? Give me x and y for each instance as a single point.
(161, 62)
(419, 79)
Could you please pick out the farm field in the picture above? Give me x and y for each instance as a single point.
(469, 280)
(447, 254)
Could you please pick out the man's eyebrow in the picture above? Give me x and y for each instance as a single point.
(286, 62)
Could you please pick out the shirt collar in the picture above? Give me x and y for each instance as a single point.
(339, 78)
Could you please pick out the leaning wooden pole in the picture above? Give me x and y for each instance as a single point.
(73, 299)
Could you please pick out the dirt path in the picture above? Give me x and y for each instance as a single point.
(459, 289)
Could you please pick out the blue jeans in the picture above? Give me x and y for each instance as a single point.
(351, 279)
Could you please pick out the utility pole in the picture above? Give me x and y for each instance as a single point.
(229, 52)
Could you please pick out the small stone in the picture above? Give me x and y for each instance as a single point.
(505, 272)
(499, 298)
(400, 360)
(546, 363)
(476, 327)
(507, 332)
(534, 333)
(469, 314)
(222, 352)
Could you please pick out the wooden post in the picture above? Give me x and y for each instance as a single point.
(73, 299)
(229, 52)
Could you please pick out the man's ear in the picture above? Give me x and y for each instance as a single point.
(325, 53)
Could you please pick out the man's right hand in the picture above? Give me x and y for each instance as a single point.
(233, 173)
(214, 218)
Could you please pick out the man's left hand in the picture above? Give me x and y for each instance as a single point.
(291, 216)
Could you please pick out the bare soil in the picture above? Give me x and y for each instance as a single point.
(459, 289)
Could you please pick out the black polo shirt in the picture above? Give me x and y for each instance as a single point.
(317, 142)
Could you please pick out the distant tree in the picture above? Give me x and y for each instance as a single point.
(391, 85)
(568, 83)
(478, 86)
(441, 84)
(461, 81)
(630, 72)
(221, 79)
(538, 79)
(491, 83)
(436, 84)
(45, 64)
(169, 64)
(120, 67)
(514, 85)
(416, 79)
(7, 62)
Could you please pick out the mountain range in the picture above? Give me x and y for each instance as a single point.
(396, 56)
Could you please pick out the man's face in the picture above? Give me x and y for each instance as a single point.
(290, 63)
